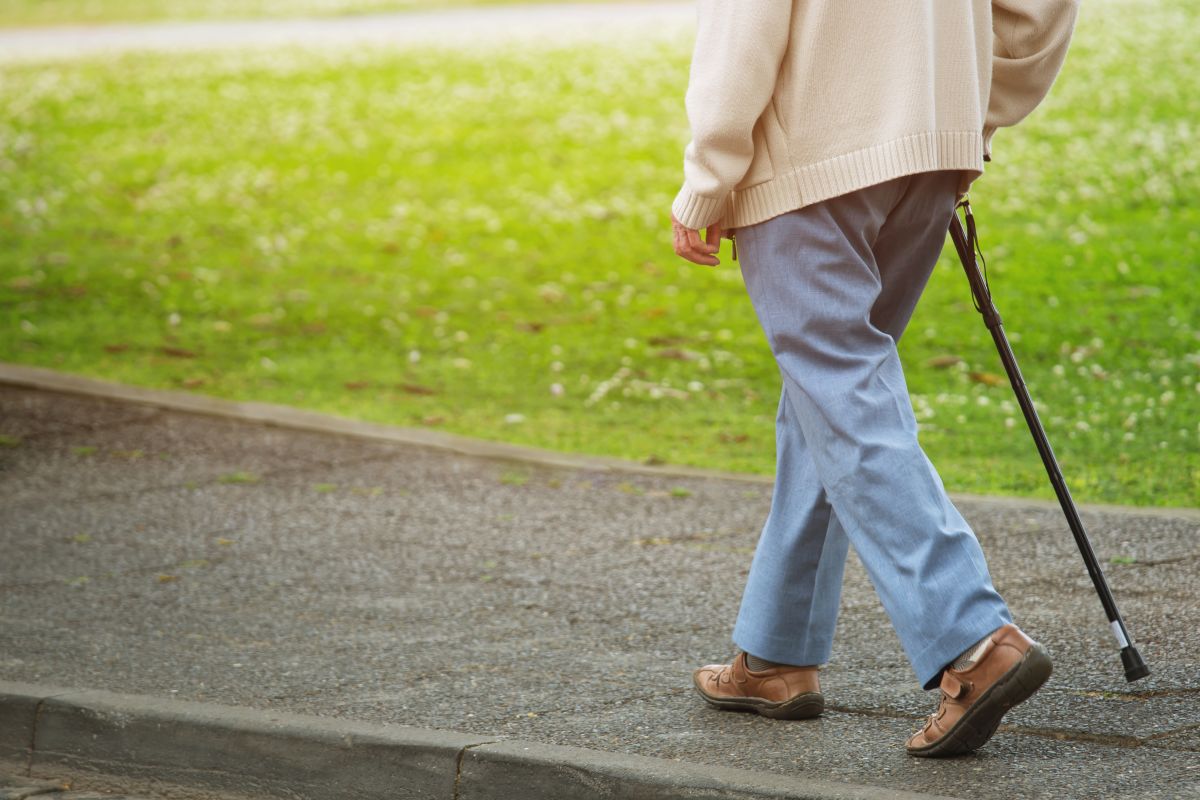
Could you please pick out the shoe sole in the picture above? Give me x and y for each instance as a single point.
(983, 717)
(804, 706)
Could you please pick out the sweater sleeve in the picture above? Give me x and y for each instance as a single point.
(1029, 46)
(740, 45)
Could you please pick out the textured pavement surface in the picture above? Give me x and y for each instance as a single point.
(164, 553)
(16, 787)
(561, 24)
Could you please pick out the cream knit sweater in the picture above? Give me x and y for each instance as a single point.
(795, 101)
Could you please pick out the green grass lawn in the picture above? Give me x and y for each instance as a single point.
(19, 13)
(479, 242)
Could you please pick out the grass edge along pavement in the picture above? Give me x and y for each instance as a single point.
(231, 750)
(40, 378)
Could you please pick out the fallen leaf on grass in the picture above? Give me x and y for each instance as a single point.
(356, 385)
(120, 347)
(733, 438)
(416, 388)
(677, 354)
(988, 378)
(432, 420)
(176, 352)
(942, 362)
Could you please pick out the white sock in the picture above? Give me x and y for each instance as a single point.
(967, 659)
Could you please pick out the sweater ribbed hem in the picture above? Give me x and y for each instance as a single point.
(923, 152)
(697, 211)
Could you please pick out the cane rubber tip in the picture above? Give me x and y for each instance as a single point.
(1135, 667)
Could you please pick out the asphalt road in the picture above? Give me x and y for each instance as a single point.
(164, 553)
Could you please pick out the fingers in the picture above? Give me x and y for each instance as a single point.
(713, 236)
(689, 245)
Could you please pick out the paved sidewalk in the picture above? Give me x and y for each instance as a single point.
(163, 553)
(560, 23)
(17, 787)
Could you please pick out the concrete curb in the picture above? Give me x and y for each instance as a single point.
(211, 748)
(299, 419)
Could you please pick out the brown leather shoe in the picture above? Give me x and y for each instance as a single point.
(1010, 669)
(782, 692)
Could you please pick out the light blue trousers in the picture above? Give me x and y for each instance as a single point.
(834, 285)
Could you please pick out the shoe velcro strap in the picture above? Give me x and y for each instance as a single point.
(954, 687)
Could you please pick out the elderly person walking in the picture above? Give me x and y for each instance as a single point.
(834, 138)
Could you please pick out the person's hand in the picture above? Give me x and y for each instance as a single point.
(689, 245)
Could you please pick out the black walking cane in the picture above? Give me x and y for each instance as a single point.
(967, 244)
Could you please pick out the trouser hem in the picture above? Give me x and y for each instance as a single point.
(929, 663)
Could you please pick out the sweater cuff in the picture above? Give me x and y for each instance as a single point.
(988, 132)
(696, 211)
